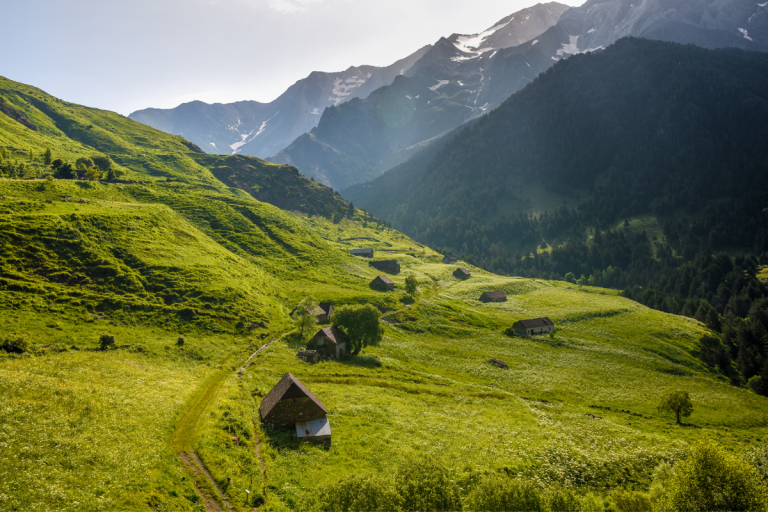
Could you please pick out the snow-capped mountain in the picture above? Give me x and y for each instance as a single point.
(457, 78)
(263, 129)
(461, 77)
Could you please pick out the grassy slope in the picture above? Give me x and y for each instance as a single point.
(86, 428)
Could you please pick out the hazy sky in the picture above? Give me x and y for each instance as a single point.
(124, 55)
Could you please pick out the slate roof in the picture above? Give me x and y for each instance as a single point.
(462, 270)
(493, 295)
(332, 333)
(325, 306)
(534, 323)
(385, 279)
(288, 387)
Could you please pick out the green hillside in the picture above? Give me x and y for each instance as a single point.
(192, 276)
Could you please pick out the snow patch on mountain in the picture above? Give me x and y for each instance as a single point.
(591, 31)
(745, 33)
(471, 43)
(343, 87)
(237, 145)
(439, 84)
(571, 48)
(534, 42)
(762, 4)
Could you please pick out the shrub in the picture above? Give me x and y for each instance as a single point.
(662, 476)
(711, 479)
(15, 343)
(181, 341)
(758, 457)
(107, 341)
(424, 484)
(503, 493)
(559, 499)
(360, 492)
(591, 503)
(631, 501)
(84, 163)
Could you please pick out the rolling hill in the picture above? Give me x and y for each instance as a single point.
(192, 276)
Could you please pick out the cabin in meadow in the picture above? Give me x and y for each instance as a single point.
(450, 259)
(383, 283)
(329, 341)
(534, 326)
(322, 312)
(462, 273)
(390, 266)
(290, 402)
(493, 297)
(364, 253)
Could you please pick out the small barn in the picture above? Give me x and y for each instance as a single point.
(327, 308)
(493, 297)
(365, 253)
(308, 356)
(329, 341)
(290, 402)
(383, 283)
(462, 273)
(318, 431)
(390, 266)
(450, 259)
(534, 326)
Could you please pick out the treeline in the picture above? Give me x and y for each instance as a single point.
(705, 478)
(30, 165)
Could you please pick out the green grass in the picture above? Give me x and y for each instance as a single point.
(85, 428)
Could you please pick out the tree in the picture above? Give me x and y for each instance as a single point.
(304, 321)
(106, 341)
(111, 174)
(361, 325)
(410, 285)
(56, 164)
(84, 163)
(65, 171)
(677, 402)
(103, 162)
(709, 478)
(93, 174)
(15, 343)
(570, 278)
(47, 156)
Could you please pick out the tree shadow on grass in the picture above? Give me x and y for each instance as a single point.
(362, 361)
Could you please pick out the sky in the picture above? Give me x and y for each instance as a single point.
(125, 55)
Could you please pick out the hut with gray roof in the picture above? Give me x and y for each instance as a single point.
(462, 273)
(383, 283)
(493, 297)
(390, 266)
(290, 402)
(534, 326)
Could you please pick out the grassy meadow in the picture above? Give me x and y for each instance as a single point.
(150, 261)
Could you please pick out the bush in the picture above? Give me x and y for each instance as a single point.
(592, 503)
(424, 484)
(662, 476)
(360, 492)
(758, 458)
(107, 341)
(559, 499)
(15, 343)
(503, 493)
(711, 479)
(181, 341)
(631, 501)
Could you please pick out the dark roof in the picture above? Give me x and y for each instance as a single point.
(462, 270)
(450, 259)
(288, 387)
(537, 322)
(494, 295)
(385, 279)
(361, 251)
(326, 306)
(331, 333)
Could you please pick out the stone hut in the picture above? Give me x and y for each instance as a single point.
(327, 308)
(493, 297)
(462, 273)
(450, 259)
(289, 402)
(329, 341)
(534, 326)
(365, 253)
(308, 356)
(383, 283)
(390, 266)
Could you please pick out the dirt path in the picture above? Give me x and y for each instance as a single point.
(181, 442)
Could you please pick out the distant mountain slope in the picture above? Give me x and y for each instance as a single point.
(643, 127)
(30, 119)
(459, 77)
(263, 129)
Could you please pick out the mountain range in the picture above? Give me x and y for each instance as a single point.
(458, 79)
